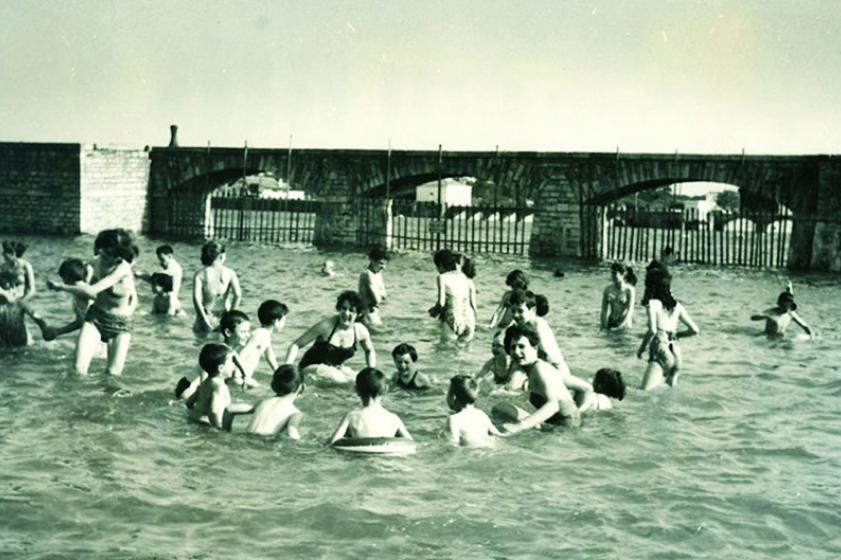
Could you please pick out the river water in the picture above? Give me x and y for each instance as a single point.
(741, 460)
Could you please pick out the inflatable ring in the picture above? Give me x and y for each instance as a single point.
(376, 445)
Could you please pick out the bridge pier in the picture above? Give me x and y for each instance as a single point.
(826, 231)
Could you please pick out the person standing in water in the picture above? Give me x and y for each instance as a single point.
(17, 286)
(458, 321)
(619, 298)
(215, 288)
(372, 287)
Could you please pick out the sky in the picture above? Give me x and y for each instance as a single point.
(638, 76)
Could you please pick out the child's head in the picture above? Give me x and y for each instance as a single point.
(468, 267)
(115, 244)
(165, 254)
(328, 267)
(271, 311)
(378, 259)
(609, 382)
(464, 390)
(211, 251)
(620, 271)
(287, 379)
(235, 327)
(72, 271)
(370, 384)
(445, 260)
(162, 282)
(525, 305)
(517, 280)
(786, 301)
(404, 356)
(216, 359)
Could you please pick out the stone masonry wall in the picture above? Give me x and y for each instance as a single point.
(826, 244)
(556, 230)
(39, 188)
(114, 189)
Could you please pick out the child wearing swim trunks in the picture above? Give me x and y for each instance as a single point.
(372, 287)
(166, 284)
(371, 420)
(272, 316)
(407, 375)
(469, 425)
(777, 319)
(607, 384)
(209, 403)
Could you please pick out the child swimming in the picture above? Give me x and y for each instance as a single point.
(328, 268)
(372, 420)
(211, 402)
(278, 413)
(407, 375)
(215, 288)
(607, 384)
(272, 316)
(499, 367)
(372, 290)
(469, 425)
(777, 319)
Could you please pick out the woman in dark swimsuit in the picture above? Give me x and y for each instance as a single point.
(334, 341)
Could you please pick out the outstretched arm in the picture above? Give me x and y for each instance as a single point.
(692, 329)
(796, 318)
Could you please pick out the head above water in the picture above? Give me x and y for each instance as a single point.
(213, 356)
(531, 300)
(786, 301)
(517, 280)
(351, 299)
(658, 285)
(14, 248)
(609, 382)
(624, 272)
(270, 311)
(211, 251)
(230, 320)
(404, 348)
(464, 390)
(116, 244)
(72, 271)
(287, 379)
(515, 332)
(370, 384)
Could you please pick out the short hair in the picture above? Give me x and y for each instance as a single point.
(519, 297)
(464, 388)
(378, 254)
(517, 279)
(404, 348)
(210, 251)
(609, 382)
(446, 259)
(351, 297)
(287, 379)
(469, 268)
(230, 320)
(521, 331)
(118, 242)
(626, 271)
(14, 247)
(163, 281)
(212, 356)
(72, 271)
(164, 250)
(270, 311)
(370, 383)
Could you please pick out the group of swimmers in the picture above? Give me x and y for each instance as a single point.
(525, 353)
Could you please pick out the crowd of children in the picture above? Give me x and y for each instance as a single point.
(525, 358)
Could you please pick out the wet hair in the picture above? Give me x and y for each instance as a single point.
(404, 348)
(517, 280)
(270, 311)
(378, 254)
(230, 320)
(164, 250)
(658, 285)
(609, 382)
(212, 356)
(541, 305)
(786, 301)
(163, 281)
(468, 267)
(352, 298)
(464, 389)
(210, 251)
(626, 271)
(15, 248)
(668, 251)
(287, 379)
(532, 300)
(370, 383)
(519, 331)
(72, 271)
(116, 242)
(446, 259)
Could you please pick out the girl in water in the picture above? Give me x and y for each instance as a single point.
(334, 339)
(619, 298)
(458, 321)
(17, 286)
(661, 338)
(215, 288)
(109, 318)
(516, 280)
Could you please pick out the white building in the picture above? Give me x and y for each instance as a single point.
(453, 193)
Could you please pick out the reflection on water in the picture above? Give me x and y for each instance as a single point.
(742, 456)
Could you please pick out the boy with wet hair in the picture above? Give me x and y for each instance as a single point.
(71, 272)
(777, 319)
(469, 425)
(278, 413)
(167, 283)
(407, 375)
(372, 287)
(272, 315)
(209, 403)
(372, 420)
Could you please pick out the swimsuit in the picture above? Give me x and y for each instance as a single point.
(662, 349)
(323, 352)
(567, 412)
(108, 324)
(408, 385)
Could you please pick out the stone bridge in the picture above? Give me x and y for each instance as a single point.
(563, 187)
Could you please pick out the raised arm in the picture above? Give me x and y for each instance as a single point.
(692, 329)
(797, 319)
(306, 338)
(91, 291)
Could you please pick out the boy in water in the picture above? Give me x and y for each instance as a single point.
(372, 420)
(328, 268)
(499, 366)
(209, 403)
(607, 384)
(372, 287)
(272, 316)
(72, 272)
(167, 283)
(777, 319)
(278, 413)
(407, 375)
(469, 425)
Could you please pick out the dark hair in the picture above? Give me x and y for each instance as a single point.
(786, 301)
(532, 300)
(404, 348)
(464, 389)
(212, 356)
(541, 305)
(626, 271)
(163, 281)
(519, 331)
(231, 319)
(370, 383)
(439, 257)
(352, 298)
(118, 242)
(270, 311)
(517, 279)
(468, 267)
(658, 284)
(210, 251)
(378, 254)
(72, 271)
(446, 259)
(609, 382)
(287, 379)
(14, 247)
(668, 251)
(164, 250)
